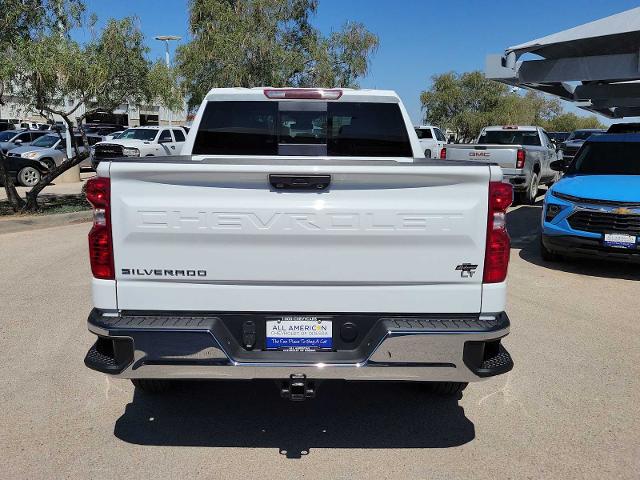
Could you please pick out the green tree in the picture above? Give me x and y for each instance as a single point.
(50, 69)
(568, 122)
(21, 20)
(465, 103)
(248, 43)
(165, 86)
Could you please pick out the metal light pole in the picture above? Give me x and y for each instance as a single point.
(166, 39)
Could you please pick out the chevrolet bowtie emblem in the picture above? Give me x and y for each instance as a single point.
(622, 211)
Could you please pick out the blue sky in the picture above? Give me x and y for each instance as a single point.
(418, 38)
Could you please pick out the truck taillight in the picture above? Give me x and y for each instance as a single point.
(443, 153)
(303, 93)
(520, 158)
(496, 257)
(100, 242)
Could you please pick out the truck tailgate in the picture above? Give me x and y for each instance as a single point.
(502, 155)
(216, 236)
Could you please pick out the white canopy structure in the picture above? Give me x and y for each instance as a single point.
(596, 65)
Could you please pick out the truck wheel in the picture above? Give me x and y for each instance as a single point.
(547, 254)
(446, 389)
(29, 177)
(151, 385)
(528, 197)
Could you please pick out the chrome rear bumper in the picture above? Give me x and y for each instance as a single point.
(396, 348)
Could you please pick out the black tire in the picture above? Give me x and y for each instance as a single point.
(547, 255)
(29, 176)
(446, 389)
(528, 197)
(151, 385)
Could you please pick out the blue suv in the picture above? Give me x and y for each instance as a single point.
(594, 210)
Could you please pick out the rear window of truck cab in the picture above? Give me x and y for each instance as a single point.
(302, 128)
(510, 137)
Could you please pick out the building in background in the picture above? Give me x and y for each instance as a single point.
(126, 114)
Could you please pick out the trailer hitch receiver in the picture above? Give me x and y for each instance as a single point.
(297, 388)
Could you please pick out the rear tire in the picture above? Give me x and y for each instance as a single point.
(528, 197)
(446, 389)
(151, 385)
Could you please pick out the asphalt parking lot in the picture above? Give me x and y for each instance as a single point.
(569, 409)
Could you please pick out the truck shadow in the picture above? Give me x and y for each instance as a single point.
(523, 224)
(252, 415)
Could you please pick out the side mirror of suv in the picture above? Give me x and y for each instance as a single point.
(558, 166)
(17, 142)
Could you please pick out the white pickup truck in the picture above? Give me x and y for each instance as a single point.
(146, 141)
(524, 153)
(431, 140)
(302, 237)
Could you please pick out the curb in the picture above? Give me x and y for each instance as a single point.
(36, 222)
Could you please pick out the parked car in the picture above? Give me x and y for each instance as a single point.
(102, 130)
(630, 127)
(594, 210)
(432, 140)
(28, 125)
(558, 137)
(572, 144)
(24, 171)
(10, 139)
(523, 152)
(286, 241)
(7, 126)
(50, 150)
(148, 141)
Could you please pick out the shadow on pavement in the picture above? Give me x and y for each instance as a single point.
(523, 224)
(252, 415)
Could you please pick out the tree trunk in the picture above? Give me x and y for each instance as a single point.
(32, 195)
(16, 202)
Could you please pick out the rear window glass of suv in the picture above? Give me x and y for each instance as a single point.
(607, 158)
(302, 128)
(510, 137)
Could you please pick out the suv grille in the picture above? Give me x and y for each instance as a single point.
(108, 151)
(600, 222)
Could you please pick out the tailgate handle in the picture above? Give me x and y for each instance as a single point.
(299, 182)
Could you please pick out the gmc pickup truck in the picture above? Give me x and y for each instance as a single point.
(524, 153)
(302, 237)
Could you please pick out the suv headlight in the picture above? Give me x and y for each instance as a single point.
(131, 152)
(30, 155)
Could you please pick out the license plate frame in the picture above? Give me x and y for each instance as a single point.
(620, 240)
(299, 333)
